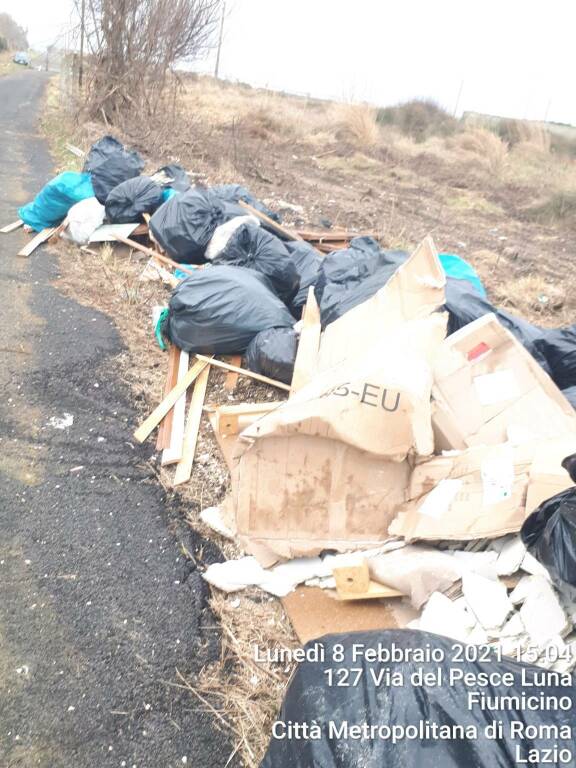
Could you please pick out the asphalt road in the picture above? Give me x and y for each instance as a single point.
(97, 605)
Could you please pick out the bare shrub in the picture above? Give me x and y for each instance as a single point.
(419, 119)
(358, 124)
(487, 147)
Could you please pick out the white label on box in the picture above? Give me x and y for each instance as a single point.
(438, 501)
(497, 473)
(492, 388)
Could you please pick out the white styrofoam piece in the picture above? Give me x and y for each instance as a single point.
(488, 600)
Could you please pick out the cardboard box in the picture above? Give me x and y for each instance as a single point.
(547, 476)
(301, 495)
(487, 385)
(473, 494)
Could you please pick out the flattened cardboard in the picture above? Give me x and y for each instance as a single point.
(414, 291)
(474, 494)
(314, 613)
(300, 495)
(486, 383)
(547, 476)
(381, 404)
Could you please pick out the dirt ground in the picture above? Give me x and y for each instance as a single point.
(319, 165)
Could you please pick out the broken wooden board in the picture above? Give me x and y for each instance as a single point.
(165, 430)
(184, 467)
(314, 612)
(40, 238)
(173, 452)
(232, 419)
(232, 376)
(289, 234)
(244, 372)
(353, 582)
(75, 150)
(12, 227)
(154, 254)
(169, 401)
(306, 363)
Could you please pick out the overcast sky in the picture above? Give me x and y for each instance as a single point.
(508, 57)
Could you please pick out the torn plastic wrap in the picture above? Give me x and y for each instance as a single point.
(130, 199)
(219, 310)
(272, 353)
(173, 177)
(109, 164)
(253, 247)
(343, 709)
(549, 534)
(185, 224)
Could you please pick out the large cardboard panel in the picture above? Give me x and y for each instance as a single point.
(301, 495)
(547, 476)
(486, 385)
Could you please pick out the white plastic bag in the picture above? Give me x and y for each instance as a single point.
(84, 218)
(224, 232)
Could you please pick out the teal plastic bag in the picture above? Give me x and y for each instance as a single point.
(455, 266)
(52, 203)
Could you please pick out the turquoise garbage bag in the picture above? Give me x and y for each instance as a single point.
(455, 266)
(52, 203)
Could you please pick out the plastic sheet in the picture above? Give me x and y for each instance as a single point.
(253, 247)
(185, 224)
(272, 353)
(52, 203)
(130, 199)
(381, 697)
(220, 309)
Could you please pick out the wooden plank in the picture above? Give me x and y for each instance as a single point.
(40, 238)
(164, 259)
(232, 419)
(306, 363)
(244, 372)
(184, 468)
(173, 452)
(290, 234)
(75, 150)
(165, 430)
(353, 582)
(11, 227)
(169, 401)
(232, 376)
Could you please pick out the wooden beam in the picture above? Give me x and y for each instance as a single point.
(36, 241)
(169, 401)
(232, 376)
(184, 468)
(164, 259)
(306, 363)
(244, 372)
(353, 582)
(232, 419)
(173, 452)
(290, 234)
(11, 227)
(165, 430)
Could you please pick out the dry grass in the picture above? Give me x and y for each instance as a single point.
(531, 295)
(245, 695)
(488, 148)
(358, 124)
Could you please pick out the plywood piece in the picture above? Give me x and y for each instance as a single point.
(314, 613)
(232, 419)
(165, 429)
(169, 401)
(11, 227)
(184, 468)
(306, 363)
(173, 452)
(244, 372)
(108, 233)
(232, 376)
(40, 238)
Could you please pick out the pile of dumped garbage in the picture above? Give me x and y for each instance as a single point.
(422, 456)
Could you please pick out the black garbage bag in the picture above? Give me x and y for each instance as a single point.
(362, 705)
(184, 225)
(570, 395)
(219, 310)
(549, 534)
(351, 276)
(233, 193)
(307, 261)
(272, 353)
(130, 199)
(177, 175)
(253, 247)
(109, 164)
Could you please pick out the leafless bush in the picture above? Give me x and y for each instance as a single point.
(133, 46)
